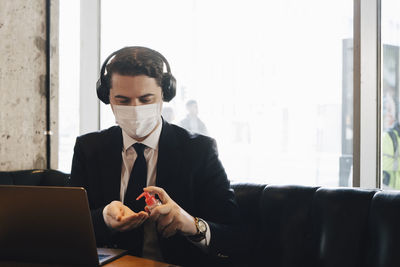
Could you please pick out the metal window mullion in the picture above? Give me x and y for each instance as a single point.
(366, 140)
(89, 107)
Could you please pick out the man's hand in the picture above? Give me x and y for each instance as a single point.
(170, 217)
(119, 217)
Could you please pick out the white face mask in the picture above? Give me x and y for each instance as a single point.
(137, 121)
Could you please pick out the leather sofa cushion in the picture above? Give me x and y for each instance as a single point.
(248, 196)
(34, 177)
(340, 223)
(384, 231)
(286, 226)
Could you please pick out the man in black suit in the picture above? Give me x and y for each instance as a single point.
(197, 215)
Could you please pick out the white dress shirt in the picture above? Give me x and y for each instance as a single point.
(151, 248)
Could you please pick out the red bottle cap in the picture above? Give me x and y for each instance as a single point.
(150, 200)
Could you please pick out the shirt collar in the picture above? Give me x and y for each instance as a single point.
(151, 140)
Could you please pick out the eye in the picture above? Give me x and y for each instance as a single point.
(146, 99)
(122, 101)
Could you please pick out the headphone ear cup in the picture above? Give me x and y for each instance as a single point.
(103, 90)
(168, 84)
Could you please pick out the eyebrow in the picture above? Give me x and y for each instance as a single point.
(125, 97)
(146, 95)
(121, 96)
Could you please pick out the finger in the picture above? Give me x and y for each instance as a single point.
(153, 216)
(160, 210)
(137, 222)
(144, 218)
(121, 212)
(145, 215)
(115, 211)
(130, 222)
(159, 191)
(132, 217)
(137, 217)
(163, 222)
(170, 230)
(127, 211)
(126, 222)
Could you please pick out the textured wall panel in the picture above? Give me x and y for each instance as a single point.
(54, 78)
(22, 84)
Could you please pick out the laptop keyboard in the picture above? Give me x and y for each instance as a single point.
(102, 256)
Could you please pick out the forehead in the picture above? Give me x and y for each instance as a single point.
(134, 85)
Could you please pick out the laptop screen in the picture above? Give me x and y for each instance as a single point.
(46, 225)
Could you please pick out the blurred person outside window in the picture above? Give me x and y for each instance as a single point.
(192, 122)
(390, 145)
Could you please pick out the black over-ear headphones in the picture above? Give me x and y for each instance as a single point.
(168, 82)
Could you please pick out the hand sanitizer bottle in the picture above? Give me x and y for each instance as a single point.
(151, 201)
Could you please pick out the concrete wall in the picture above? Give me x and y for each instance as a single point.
(22, 84)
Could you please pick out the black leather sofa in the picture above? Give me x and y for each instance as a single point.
(34, 177)
(297, 226)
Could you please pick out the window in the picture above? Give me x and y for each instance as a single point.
(390, 94)
(273, 80)
(68, 82)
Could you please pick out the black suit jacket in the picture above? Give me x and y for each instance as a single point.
(188, 169)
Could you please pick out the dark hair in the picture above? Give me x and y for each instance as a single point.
(133, 61)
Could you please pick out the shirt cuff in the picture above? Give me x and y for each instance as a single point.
(203, 244)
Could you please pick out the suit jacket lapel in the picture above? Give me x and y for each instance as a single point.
(111, 174)
(169, 159)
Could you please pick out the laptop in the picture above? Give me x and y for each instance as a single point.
(50, 225)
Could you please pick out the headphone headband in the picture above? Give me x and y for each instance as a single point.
(168, 83)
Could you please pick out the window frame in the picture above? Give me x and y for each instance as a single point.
(367, 105)
(89, 105)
